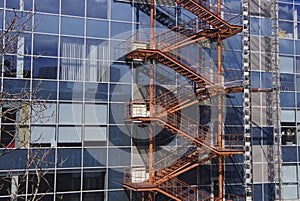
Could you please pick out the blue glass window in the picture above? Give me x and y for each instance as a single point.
(96, 92)
(285, 11)
(17, 86)
(72, 7)
(72, 26)
(119, 157)
(286, 46)
(48, 6)
(46, 90)
(17, 66)
(71, 47)
(45, 68)
(121, 11)
(120, 92)
(287, 99)
(46, 23)
(289, 154)
(45, 45)
(97, 28)
(287, 82)
(286, 29)
(97, 9)
(120, 73)
(119, 136)
(94, 157)
(121, 30)
(255, 79)
(70, 91)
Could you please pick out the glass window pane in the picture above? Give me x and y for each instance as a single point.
(44, 45)
(70, 157)
(17, 66)
(46, 23)
(285, 11)
(286, 29)
(119, 136)
(42, 134)
(95, 133)
(120, 92)
(48, 6)
(287, 99)
(94, 157)
(69, 134)
(71, 47)
(96, 92)
(70, 91)
(120, 73)
(45, 68)
(286, 64)
(119, 157)
(72, 7)
(46, 90)
(121, 11)
(94, 180)
(71, 69)
(72, 26)
(70, 113)
(95, 114)
(289, 173)
(120, 30)
(286, 46)
(97, 9)
(68, 181)
(43, 113)
(96, 28)
(290, 191)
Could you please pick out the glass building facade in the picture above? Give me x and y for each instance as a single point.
(71, 63)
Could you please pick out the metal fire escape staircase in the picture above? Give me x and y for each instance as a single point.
(206, 25)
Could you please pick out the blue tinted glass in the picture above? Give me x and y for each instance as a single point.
(298, 65)
(45, 89)
(97, 9)
(96, 92)
(289, 154)
(119, 136)
(255, 79)
(121, 11)
(45, 68)
(254, 27)
(287, 99)
(120, 92)
(256, 132)
(298, 12)
(72, 7)
(13, 4)
(285, 11)
(70, 91)
(298, 99)
(266, 80)
(97, 28)
(69, 158)
(116, 113)
(17, 66)
(233, 116)
(28, 5)
(265, 27)
(268, 136)
(119, 157)
(121, 30)
(286, 46)
(286, 29)
(46, 23)
(17, 86)
(45, 45)
(233, 42)
(94, 48)
(71, 47)
(71, 69)
(1, 4)
(72, 26)
(120, 73)
(94, 157)
(15, 160)
(287, 82)
(257, 192)
(298, 47)
(48, 6)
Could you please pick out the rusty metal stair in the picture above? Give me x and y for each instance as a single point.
(203, 11)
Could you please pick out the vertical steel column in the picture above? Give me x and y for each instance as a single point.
(248, 178)
(276, 99)
(220, 161)
(151, 97)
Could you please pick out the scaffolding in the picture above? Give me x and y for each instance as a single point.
(201, 144)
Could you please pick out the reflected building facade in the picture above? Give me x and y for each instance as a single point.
(71, 59)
